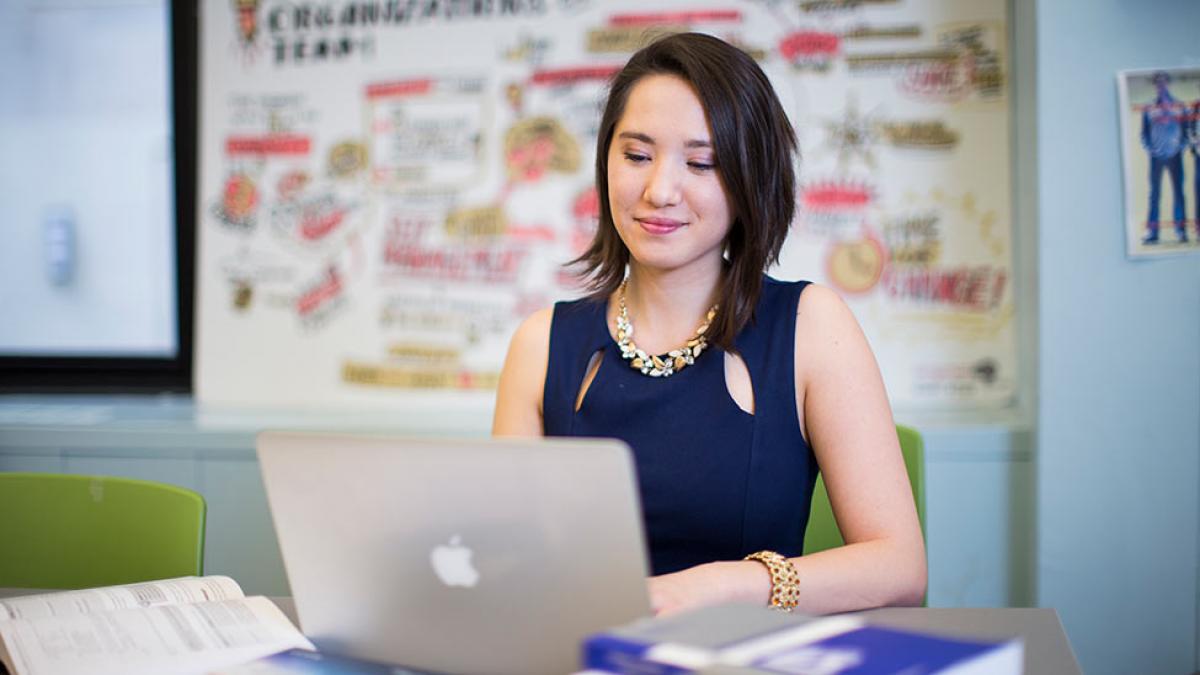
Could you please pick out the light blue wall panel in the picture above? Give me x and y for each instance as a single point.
(980, 517)
(48, 463)
(1118, 438)
(181, 472)
(241, 539)
(977, 480)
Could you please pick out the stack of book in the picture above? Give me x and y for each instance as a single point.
(746, 640)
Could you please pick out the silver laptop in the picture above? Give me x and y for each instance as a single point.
(480, 556)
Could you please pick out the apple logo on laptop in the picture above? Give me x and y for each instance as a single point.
(452, 564)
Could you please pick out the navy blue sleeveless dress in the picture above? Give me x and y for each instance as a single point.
(716, 482)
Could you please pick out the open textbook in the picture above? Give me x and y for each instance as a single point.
(169, 627)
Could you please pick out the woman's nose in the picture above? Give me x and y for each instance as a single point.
(662, 185)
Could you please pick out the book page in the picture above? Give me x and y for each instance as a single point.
(147, 594)
(163, 640)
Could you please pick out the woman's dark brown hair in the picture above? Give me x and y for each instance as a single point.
(753, 144)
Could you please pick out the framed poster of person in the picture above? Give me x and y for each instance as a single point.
(1160, 143)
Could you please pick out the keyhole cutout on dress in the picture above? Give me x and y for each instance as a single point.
(737, 382)
(589, 375)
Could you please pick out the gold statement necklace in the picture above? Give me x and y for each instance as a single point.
(666, 364)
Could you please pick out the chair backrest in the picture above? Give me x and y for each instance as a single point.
(823, 532)
(70, 531)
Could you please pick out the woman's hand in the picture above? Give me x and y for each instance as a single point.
(709, 584)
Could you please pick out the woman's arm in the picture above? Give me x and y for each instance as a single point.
(845, 410)
(519, 395)
(848, 422)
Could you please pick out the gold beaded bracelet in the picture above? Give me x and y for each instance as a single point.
(785, 582)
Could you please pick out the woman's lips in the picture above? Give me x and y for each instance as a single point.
(659, 225)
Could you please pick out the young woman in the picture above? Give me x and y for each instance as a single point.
(734, 387)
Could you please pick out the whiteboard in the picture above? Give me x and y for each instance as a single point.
(387, 188)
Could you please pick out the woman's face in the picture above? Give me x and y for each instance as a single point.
(664, 190)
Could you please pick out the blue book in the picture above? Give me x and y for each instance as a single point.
(306, 662)
(748, 640)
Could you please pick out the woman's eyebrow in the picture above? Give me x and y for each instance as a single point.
(645, 138)
(636, 136)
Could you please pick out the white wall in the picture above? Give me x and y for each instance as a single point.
(1118, 435)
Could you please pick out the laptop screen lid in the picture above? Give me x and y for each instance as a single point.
(472, 556)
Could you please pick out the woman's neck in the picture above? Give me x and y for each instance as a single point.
(667, 307)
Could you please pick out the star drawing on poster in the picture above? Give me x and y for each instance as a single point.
(853, 136)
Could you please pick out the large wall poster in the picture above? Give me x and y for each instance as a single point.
(1160, 146)
(388, 188)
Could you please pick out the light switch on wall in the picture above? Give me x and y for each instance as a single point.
(60, 249)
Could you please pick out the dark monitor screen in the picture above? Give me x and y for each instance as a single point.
(97, 126)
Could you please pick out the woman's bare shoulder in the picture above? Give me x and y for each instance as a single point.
(519, 395)
(828, 336)
(821, 304)
(534, 331)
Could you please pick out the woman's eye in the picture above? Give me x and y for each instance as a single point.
(636, 158)
(702, 166)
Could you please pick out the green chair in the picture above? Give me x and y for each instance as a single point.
(70, 531)
(823, 532)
